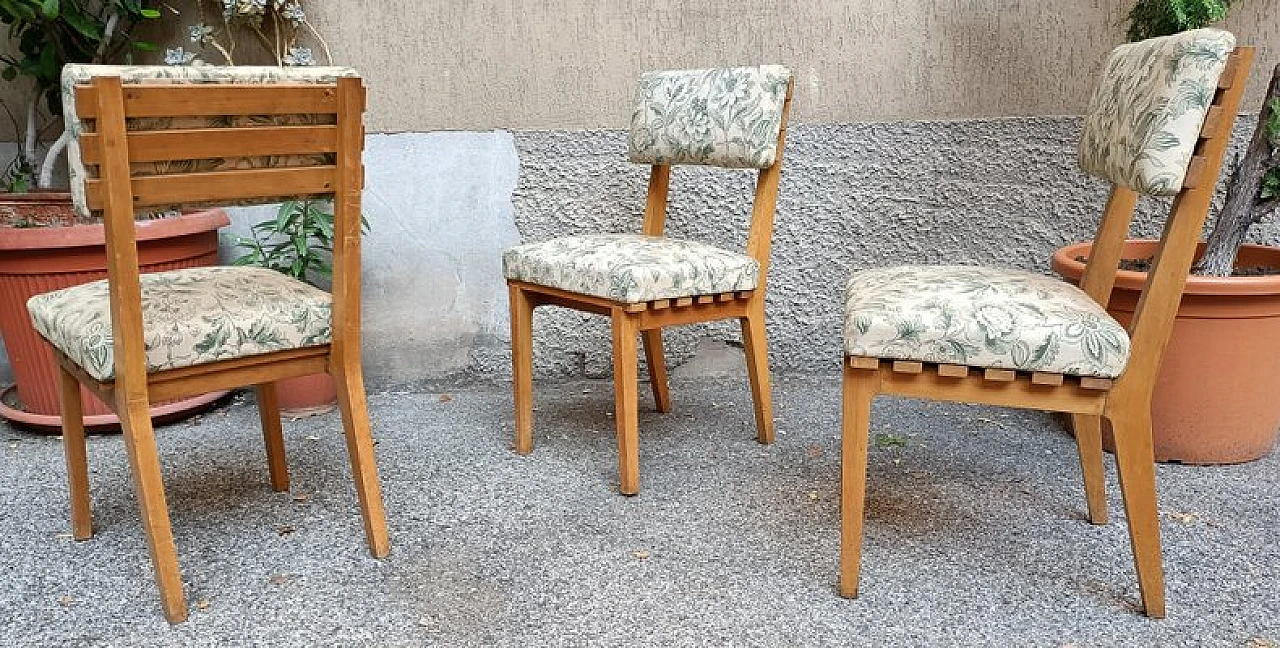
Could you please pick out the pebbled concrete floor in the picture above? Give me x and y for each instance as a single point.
(975, 534)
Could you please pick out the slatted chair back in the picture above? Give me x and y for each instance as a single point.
(153, 138)
(724, 117)
(1196, 96)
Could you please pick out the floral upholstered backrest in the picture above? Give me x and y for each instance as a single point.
(76, 74)
(1146, 113)
(728, 117)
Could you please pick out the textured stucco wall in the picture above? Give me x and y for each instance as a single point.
(466, 64)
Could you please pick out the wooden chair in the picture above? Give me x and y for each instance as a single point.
(729, 117)
(150, 137)
(1015, 339)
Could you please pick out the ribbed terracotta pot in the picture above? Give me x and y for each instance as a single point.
(40, 259)
(307, 395)
(1217, 397)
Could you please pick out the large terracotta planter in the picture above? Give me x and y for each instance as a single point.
(1217, 397)
(39, 259)
(307, 395)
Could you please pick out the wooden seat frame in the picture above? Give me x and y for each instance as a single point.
(117, 192)
(648, 319)
(1125, 402)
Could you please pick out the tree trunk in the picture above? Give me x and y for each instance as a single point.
(1241, 208)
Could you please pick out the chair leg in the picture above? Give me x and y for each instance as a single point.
(77, 456)
(1136, 462)
(1088, 430)
(273, 435)
(859, 390)
(657, 363)
(355, 425)
(757, 348)
(626, 413)
(522, 366)
(140, 441)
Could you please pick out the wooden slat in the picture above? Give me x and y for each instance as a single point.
(952, 371)
(1212, 121)
(692, 314)
(189, 100)
(999, 375)
(660, 304)
(209, 143)
(1229, 72)
(746, 294)
(683, 301)
(724, 297)
(1197, 169)
(975, 389)
(1089, 382)
(863, 362)
(1051, 379)
(705, 299)
(636, 307)
(907, 366)
(214, 186)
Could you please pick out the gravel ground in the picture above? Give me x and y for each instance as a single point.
(975, 536)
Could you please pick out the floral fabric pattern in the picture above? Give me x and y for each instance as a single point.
(1146, 114)
(630, 268)
(981, 317)
(728, 117)
(75, 74)
(189, 317)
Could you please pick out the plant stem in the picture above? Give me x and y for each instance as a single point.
(46, 167)
(1239, 211)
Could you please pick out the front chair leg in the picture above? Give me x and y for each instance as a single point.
(355, 424)
(756, 346)
(140, 441)
(626, 413)
(657, 363)
(77, 456)
(1135, 460)
(522, 366)
(273, 436)
(859, 389)
(1088, 431)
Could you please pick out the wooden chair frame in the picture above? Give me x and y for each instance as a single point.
(1126, 401)
(117, 192)
(649, 318)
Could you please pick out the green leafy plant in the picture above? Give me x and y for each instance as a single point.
(1151, 18)
(297, 242)
(48, 34)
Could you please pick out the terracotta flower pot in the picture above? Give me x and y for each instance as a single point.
(39, 259)
(1217, 397)
(307, 395)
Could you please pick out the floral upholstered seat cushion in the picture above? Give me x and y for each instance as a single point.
(630, 267)
(189, 317)
(728, 117)
(76, 73)
(981, 317)
(1146, 114)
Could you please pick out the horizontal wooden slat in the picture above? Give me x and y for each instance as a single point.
(1089, 382)
(209, 143)
(953, 371)
(907, 366)
(215, 99)
(999, 375)
(683, 301)
(1212, 121)
(636, 307)
(214, 186)
(660, 304)
(706, 299)
(863, 362)
(1229, 72)
(975, 389)
(1049, 379)
(724, 297)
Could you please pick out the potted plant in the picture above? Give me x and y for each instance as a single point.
(1215, 399)
(297, 242)
(44, 245)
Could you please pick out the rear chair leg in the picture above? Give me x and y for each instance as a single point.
(654, 357)
(1088, 431)
(756, 346)
(1135, 459)
(73, 446)
(273, 435)
(355, 424)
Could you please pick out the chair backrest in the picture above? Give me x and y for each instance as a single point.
(153, 137)
(726, 117)
(1159, 123)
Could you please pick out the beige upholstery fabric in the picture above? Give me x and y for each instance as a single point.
(189, 317)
